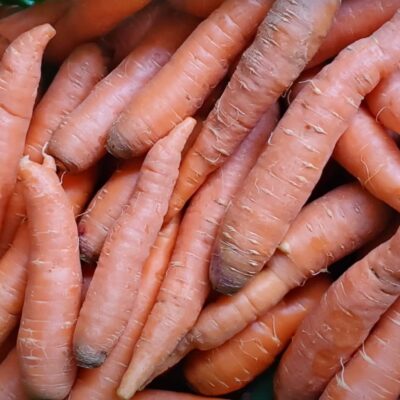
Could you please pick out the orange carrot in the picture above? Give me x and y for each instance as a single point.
(72, 144)
(278, 186)
(374, 372)
(102, 383)
(109, 301)
(238, 361)
(86, 20)
(200, 8)
(250, 92)
(105, 208)
(180, 88)
(11, 387)
(185, 287)
(348, 311)
(161, 395)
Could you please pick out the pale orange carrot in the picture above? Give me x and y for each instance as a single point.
(11, 387)
(200, 8)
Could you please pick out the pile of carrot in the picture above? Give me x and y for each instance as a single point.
(208, 187)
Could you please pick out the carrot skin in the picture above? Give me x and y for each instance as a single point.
(199, 8)
(11, 387)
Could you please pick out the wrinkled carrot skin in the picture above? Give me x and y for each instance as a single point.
(374, 371)
(105, 208)
(109, 301)
(86, 20)
(278, 187)
(161, 395)
(288, 26)
(185, 287)
(71, 144)
(11, 387)
(340, 324)
(180, 88)
(237, 362)
(199, 8)
(355, 19)
(330, 228)
(102, 383)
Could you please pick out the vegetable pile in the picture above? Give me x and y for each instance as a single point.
(207, 187)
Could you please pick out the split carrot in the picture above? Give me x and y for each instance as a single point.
(102, 383)
(109, 301)
(71, 144)
(278, 186)
(180, 88)
(11, 387)
(162, 395)
(199, 8)
(185, 287)
(288, 27)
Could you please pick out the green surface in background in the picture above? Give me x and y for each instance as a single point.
(21, 3)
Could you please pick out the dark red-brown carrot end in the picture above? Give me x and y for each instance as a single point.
(117, 145)
(87, 357)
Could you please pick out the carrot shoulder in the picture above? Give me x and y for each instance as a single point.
(11, 387)
(180, 88)
(200, 8)
(278, 186)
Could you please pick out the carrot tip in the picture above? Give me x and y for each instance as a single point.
(87, 357)
(117, 145)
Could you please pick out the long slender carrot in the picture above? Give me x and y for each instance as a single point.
(374, 372)
(102, 383)
(11, 387)
(72, 144)
(180, 88)
(289, 26)
(109, 301)
(162, 395)
(185, 287)
(348, 311)
(200, 8)
(238, 361)
(278, 186)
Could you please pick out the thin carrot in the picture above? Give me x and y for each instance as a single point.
(329, 336)
(238, 361)
(200, 8)
(109, 301)
(162, 395)
(11, 387)
(102, 383)
(180, 88)
(185, 287)
(86, 20)
(72, 144)
(278, 186)
(374, 372)
(288, 27)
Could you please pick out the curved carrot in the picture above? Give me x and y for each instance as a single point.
(199, 8)
(185, 287)
(79, 143)
(11, 387)
(278, 186)
(374, 372)
(111, 295)
(238, 361)
(162, 395)
(250, 92)
(102, 383)
(329, 336)
(180, 88)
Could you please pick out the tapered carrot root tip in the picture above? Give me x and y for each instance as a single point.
(87, 357)
(118, 146)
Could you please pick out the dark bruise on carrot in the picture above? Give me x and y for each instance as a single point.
(278, 186)
(105, 312)
(79, 143)
(11, 387)
(199, 8)
(286, 40)
(180, 88)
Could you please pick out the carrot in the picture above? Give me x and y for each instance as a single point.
(180, 88)
(355, 19)
(162, 395)
(111, 295)
(185, 287)
(8, 344)
(278, 186)
(86, 20)
(11, 387)
(200, 8)
(348, 311)
(102, 383)
(87, 276)
(71, 144)
(374, 371)
(289, 25)
(238, 361)
(19, 74)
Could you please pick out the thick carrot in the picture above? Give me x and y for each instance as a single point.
(72, 144)
(200, 8)
(238, 361)
(374, 372)
(109, 301)
(86, 20)
(102, 383)
(278, 186)
(288, 27)
(19, 75)
(332, 333)
(180, 88)
(11, 387)
(185, 287)
(162, 395)
(355, 19)
(105, 208)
